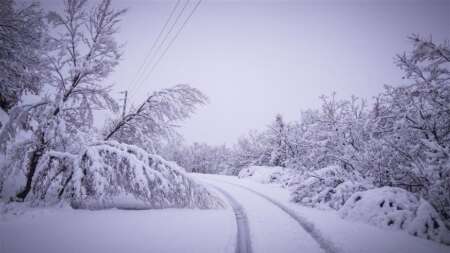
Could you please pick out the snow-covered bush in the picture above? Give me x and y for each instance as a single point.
(265, 174)
(329, 187)
(109, 174)
(398, 209)
(439, 198)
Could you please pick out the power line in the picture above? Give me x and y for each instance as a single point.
(172, 40)
(164, 39)
(155, 42)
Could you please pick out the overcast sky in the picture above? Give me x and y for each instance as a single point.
(254, 59)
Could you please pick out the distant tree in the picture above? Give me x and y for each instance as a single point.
(277, 134)
(200, 157)
(251, 149)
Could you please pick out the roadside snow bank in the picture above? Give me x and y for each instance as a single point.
(261, 174)
(109, 174)
(266, 174)
(397, 209)
(327, 188)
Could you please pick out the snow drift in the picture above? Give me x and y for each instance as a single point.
(327, 188)
(109, 174)
(266, 174)
(397, 209)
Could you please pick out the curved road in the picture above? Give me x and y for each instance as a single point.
(263, 225)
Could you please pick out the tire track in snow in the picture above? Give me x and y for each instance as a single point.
(308, 226)
(243, 242)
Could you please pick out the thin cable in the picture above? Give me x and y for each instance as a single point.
(173, 40)
(150, 52)
(180, 14)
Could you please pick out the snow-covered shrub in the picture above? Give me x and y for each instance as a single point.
(328, 187)
(265, 174)
(110, 174)
(398, 209)
(439, 198)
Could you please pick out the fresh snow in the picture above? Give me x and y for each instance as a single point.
(346, 236)
(67, 230)
(243, 241)
(262, 174)
(271, 228)
(397, 209)
(112, 174)
(327, 188)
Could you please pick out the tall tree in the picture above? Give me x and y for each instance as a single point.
(84, 53)
(278, 139)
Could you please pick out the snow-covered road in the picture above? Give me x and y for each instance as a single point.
(272, 229)
(330, 231)
(243, 240)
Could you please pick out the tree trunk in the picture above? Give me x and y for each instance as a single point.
(35, 157)
(39, 151)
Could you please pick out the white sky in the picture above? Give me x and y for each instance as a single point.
(254, 59)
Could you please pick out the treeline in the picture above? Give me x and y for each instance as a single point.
(402, 139)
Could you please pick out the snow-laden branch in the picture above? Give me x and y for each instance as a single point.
(156, 115)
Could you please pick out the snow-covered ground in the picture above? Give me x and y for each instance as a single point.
(113, 230)
(291, 228)
(271, 229)
(346, 236)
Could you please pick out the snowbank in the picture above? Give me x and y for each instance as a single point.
(327, 188)
(265, 174)
(110, 174)
(396, 209)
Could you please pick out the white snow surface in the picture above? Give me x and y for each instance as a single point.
(346, 235)
(67, 230)
(271, 229)
(193, 230)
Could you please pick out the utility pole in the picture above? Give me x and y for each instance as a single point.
(124, 108)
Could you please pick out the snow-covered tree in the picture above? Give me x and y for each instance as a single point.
(251, 149)
(199, 157)
(22, 49)
(84, 53)
(111, 174)
(414, 122)
(277, 135)
(403, 140)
